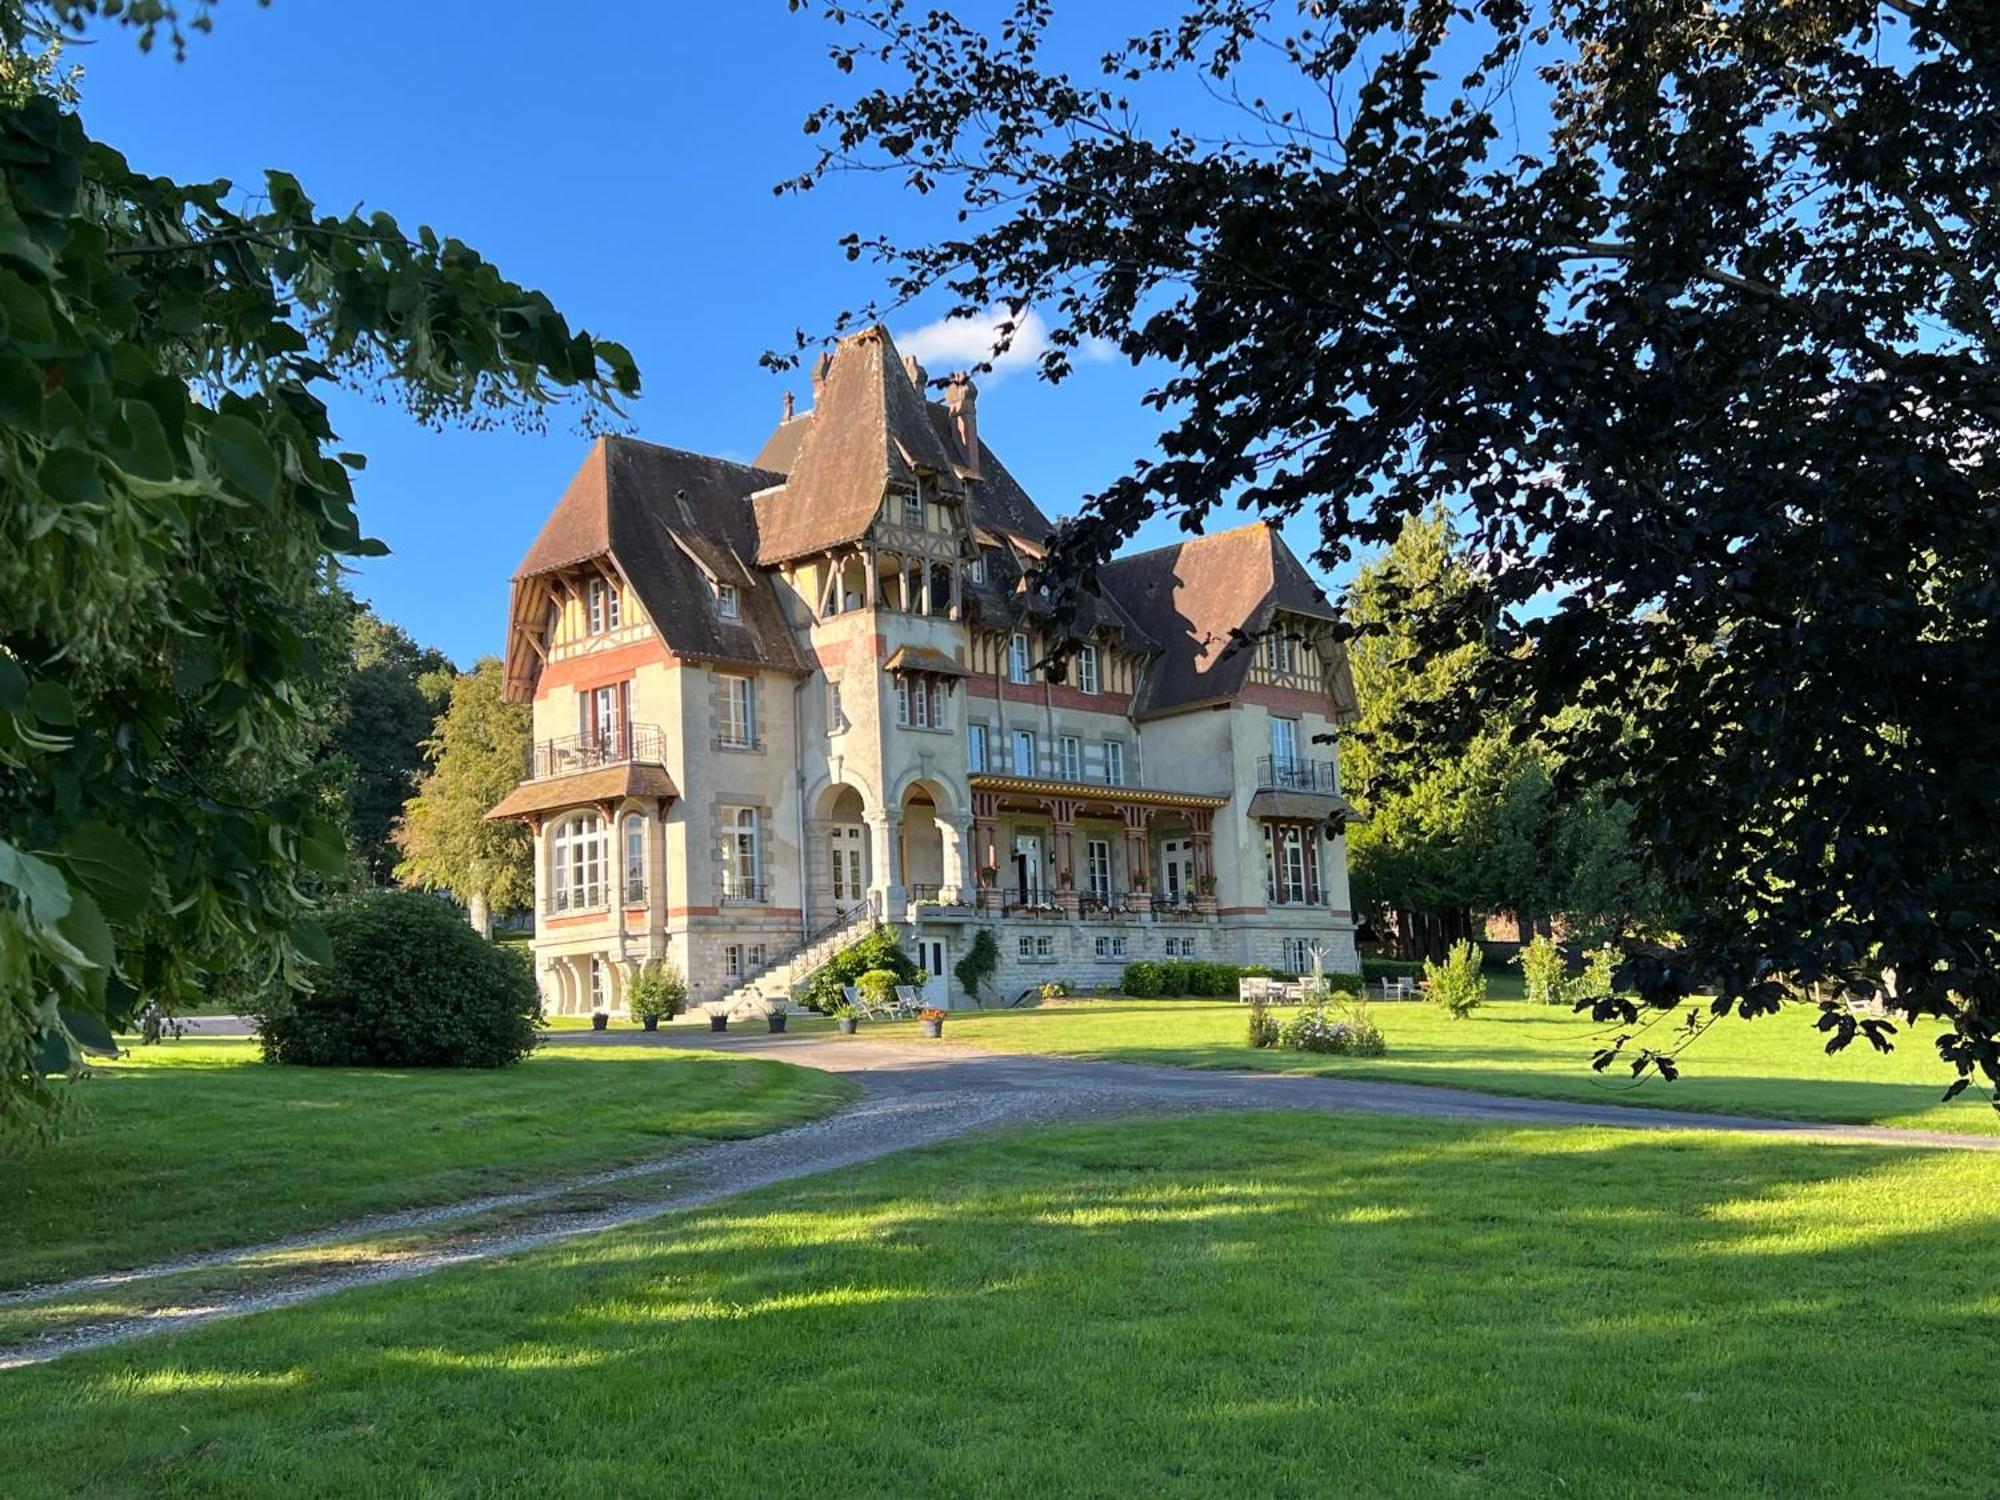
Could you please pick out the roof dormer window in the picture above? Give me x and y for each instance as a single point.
(913, 510)
(728, 603)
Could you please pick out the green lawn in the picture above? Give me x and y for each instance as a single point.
(196, 1145)
(1257, 1305)
(1773, 1066)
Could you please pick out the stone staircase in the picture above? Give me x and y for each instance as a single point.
(782, 976)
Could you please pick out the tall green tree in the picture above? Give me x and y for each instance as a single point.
(173, 500)
(1699, 337)
(390, 701)
(475, 758)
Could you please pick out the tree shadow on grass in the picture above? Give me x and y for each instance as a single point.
(1261, 1305)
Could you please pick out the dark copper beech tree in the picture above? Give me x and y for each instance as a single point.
(1686, 307)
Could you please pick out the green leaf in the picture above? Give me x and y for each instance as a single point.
(70, 476)
(323, 848)
(50, 702)
(13, 685)
(90, 935)
(139, 441)
(88, 1028)
(20, 393)
(312, 942)
(110, 866)
(238, 449)
(40, 885)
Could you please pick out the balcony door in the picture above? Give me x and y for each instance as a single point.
(1284, 744)
(1177, 868)
(1028, 864)
(847, 841)
(601, 715)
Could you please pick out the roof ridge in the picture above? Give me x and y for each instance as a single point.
(626, 438)
(1188, 540)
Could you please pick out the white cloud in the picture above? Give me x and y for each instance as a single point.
(959, 343)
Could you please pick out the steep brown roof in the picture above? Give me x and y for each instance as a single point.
(869, 433)
(781, 448)
(670, 521)
(605, 784)
(1192, 595)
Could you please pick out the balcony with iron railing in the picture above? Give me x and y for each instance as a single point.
(610, 745)
(999, 761)
(1291, 775)
(746, 893)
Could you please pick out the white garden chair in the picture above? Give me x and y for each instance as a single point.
(866, 1009)
(907, 1001)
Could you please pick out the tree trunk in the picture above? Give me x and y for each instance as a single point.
(480, 916)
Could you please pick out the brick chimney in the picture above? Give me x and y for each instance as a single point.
(961, 399)
(788, 406)
(919, 376)
(820, 367)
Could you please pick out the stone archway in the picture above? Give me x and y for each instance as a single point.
(932, 843)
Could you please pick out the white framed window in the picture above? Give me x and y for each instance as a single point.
(1111, 945)
(1086, 669)
(836, 718)
(1280, 654)
(741, 854)
(977, 572)
(1097, 867)
(975, 747)
(1114, 763)
(1298, 954)
(737, 712)
(756, 955)
(1025, 946)
(635, 857)
(913, 510)
(1018, 659)
(1045, 946)
(600, 715)
(1072, 758)
(1289, 854)
(732, 961)
(1024, 753)
(903, 701)
(600, 998)
(576, 863)
(603, 599)
(1285, 742)
(728, 603)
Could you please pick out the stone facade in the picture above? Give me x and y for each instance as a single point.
(773, 700)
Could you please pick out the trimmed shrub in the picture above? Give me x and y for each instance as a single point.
(1142, 980)
(878, 950)
(657, 992)
(411, 985)
(1458, 984)
(1054, 989)
(878, 986)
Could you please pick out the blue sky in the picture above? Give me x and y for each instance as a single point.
(620, 158)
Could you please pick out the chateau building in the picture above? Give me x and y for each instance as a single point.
(776, 703)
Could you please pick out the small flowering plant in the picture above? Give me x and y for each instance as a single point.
(930, 1013)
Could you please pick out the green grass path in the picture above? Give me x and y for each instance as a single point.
(196, 1145)
(1234, 1306)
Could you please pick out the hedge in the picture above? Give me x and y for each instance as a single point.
(1174, 978)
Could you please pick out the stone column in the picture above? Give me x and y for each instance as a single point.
(1202, 821)
(954, 838)
(1138, 865)
(885, 880)
(1062, 831)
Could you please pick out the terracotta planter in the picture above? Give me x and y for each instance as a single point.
(932, 1028)
(718, 1023)
(847, 1024)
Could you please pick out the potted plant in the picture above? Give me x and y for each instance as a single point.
(845, 1018)
(932, 1021)
(599, 1020)
(989, 875)
(718, 1015)
(658, 993)
(775, 1012)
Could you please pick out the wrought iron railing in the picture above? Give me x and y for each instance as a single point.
(614, 744)
(746, 893)
(737, 741)
(1029, 898)
(934, 895)
(577, 898)
(1298, 775)
(1000, 762)
(1175, 907)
